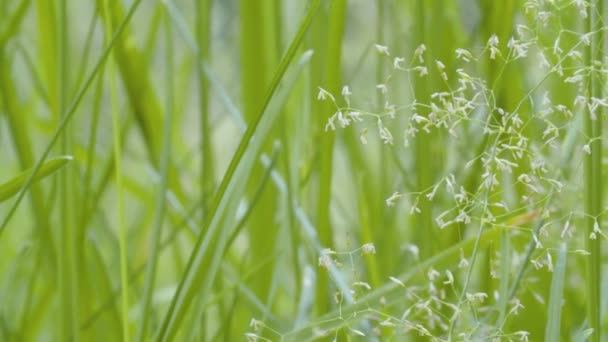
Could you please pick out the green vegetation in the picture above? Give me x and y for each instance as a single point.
(282, 170)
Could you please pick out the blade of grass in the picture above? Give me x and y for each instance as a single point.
(259, 56)
(70, 113)
(141, 94)
(593, 173)
(14, 22)
(21, 135)
(203, 35)
(12, 187)
(193, 272)
(211, 244)
(68, 263)
(556, 298)
(160, 199)
(332, 83)
(123, 243)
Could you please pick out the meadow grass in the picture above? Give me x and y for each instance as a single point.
(302, 170)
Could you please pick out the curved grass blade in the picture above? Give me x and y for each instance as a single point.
(12, 187)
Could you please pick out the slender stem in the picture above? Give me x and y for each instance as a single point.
(124, 277)
(593, 175)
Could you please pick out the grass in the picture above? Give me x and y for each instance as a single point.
(346, 170)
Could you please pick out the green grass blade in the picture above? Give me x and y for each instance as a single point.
(161, 197)
(593, 175)
(116, 130)
(70, 112)
(13, 186)
(188, 283)
(556, 298)
(337, 18)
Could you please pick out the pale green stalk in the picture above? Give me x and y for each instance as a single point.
(593, 173)
(152, 263)
(333, 80)
(123, 243)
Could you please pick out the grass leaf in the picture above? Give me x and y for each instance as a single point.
(12, 187)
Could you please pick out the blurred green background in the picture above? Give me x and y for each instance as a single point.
(190, 186)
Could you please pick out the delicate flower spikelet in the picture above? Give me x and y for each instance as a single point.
(368, 248)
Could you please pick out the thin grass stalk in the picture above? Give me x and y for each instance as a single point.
(86, 52)
(332, 83)
(48, 54)
(259, 58)
(124, 277)
(160, 200)
(203, 36)
(290, 140)
(423, 222)
(556, 297)
(87, 192)
(68, 263)
(593, 172)
(203, 30)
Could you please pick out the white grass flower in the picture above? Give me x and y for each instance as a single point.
(463, 261)
(390, 202)
(432, 274)
(396, 281)
(325, 261)
(346, 91)
(382, 87)
(582, 5)
(523, 335)
(422, 71)
(362, 284)
(464, 55)
(477, 297)
(387, 323)
(517, 305)
(256, 325)
(363, 136)
(397, 63)
(324, 94)
(357, 332)
(368, 248)
(493, 40)
(342, 119)
(544, 63)
(330, 123)
(383, 50)
(412, 249)
(585, 38)
(549, 262)
(419, 52)
(450, 277)
(587, 148)
(355, 116)
(518, 48)
(251, 337)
